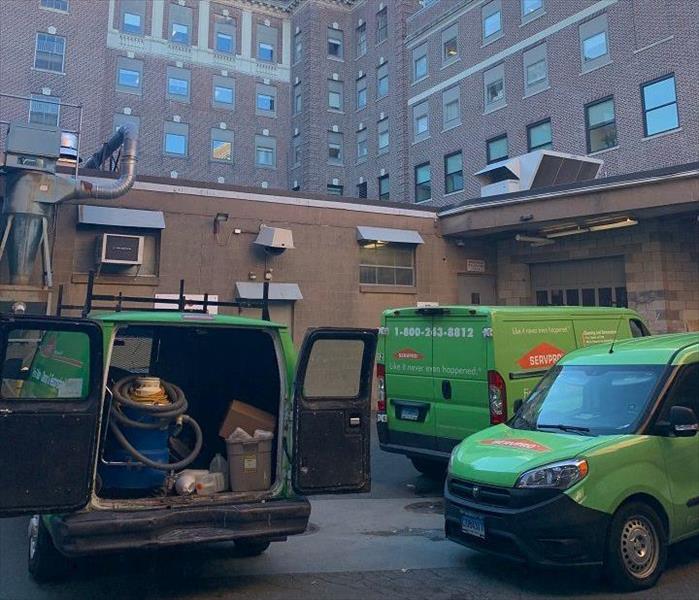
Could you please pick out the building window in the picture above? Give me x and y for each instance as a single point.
(451, 108)
(133, 16)
(296, 150)
(361, 93)
(421, 121)
(223, 92)
(121, 119)
(382, 81)
(450, 44)
(360, 49)
(335, 150)
(536, 75)
(384, 187)
(180, 24)
(61, 5)
(383, 263)
(600, 123)
(265, 151)
(335, 89)
(381, 25)
(423, 182)
(491, 15)
(50, 52)
(224, 35)
(453, 173)
(298, 99)
(176, 139)
(660, 105)
(420, 64)
(362, 148)
(496, 149)
(266, 43)
(335, 43)
(266, 100)
(531, 9)
(222, 145)
(178, 84)
(494, 88)
(129, 75)
(44, 110)
(335, 190)
(539, 136)
(383, 136)
(362, 190)
(594, 43)
(298, 47)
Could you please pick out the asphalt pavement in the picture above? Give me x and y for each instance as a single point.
(386, 544)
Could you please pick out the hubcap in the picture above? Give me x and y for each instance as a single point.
(33, 534)
(639, 547)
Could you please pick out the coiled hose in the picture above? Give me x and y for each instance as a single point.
(163, 415)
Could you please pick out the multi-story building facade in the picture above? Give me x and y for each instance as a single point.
(402, 100)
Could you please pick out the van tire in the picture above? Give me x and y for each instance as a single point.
(248, 548)
(430, 468)
(44, 561)
(636, 547)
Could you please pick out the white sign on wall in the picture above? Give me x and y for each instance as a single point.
(475, 265)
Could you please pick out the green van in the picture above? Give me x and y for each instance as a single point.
(446, 372)
(599, 466)
(66, 460)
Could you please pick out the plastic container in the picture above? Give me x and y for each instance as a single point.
(250, 464)
(220, 465)
(211, 483)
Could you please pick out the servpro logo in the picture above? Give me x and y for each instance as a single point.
(517, 443)
(544, 355)
(408, 354)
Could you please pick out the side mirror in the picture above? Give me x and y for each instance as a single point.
(683, 421)
(517, 405)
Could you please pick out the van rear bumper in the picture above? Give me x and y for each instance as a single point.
(414, 444)
(98, 531)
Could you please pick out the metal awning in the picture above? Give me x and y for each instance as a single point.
(120, 217)
(249, 290)
(385, 234)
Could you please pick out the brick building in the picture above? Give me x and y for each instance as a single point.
(398, 99)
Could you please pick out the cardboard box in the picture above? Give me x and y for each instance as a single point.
(247, 418)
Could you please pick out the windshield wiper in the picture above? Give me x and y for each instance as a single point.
(571, 428)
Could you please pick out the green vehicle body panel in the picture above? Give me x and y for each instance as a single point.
(421, 349)
(662, 468)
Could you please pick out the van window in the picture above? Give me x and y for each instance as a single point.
(46, 365)
(638, 329)
(334, 369)
(685, 391)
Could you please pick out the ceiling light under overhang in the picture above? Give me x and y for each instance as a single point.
(587, 228)
(614, 225)
(533, 240)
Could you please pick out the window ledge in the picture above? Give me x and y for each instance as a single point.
(360, 56)
(450, 127)
(662, 134)
(379, 98)
(336, 112)
(493, 38)
(423, 201)
(594, 68)
(420, 80)
(532, 17)
(361, 161)
(447, 194)
(603, 151)
(530, 94)
(266, 167)
(449, 63)
(420, 140)
(54, 10)
(383, 41)
(38, 70)
(131, 92)
(489, 111)
(382, 153)
(358, 110)
(368, 288)
(336, 59)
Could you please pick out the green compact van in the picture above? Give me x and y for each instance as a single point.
(446, 372)
(599, 466)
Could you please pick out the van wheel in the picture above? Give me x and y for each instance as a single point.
(247, 548)
(430, 468)
(45, 562)
(636, 548)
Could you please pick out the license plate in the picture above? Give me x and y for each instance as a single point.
(409, 413)
(473, 525)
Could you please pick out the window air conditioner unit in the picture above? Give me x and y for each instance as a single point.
(117, 249)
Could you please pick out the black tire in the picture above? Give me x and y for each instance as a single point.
(636, 547)
(430, 468)
(45, 562)
(248, 548)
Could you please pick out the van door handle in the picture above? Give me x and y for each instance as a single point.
(446, 389)
(354, 421)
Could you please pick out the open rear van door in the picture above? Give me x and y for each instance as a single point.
(332, 411)
(50, 401)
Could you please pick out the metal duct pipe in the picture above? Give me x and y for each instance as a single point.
(126, 138)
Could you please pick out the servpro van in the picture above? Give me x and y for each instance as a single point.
(599, 466)
(447, 372)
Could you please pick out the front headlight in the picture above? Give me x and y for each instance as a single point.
(558, 476)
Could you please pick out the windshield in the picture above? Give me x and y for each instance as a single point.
(590, 400)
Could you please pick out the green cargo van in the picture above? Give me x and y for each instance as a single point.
(446, 372)
(599, 466)
(63, 460)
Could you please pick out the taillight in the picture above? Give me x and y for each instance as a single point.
(381, 388)
(497, 398)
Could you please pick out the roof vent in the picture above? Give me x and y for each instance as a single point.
(538, 169)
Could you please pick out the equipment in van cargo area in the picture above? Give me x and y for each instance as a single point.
(250, 460)
(248, 418)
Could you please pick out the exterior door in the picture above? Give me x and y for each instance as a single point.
(332, 411)
(50, 400)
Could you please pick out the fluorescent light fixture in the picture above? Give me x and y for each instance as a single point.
(538, 241)
(614, 225)
(568, 232)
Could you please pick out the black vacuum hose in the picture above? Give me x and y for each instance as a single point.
(163, 415)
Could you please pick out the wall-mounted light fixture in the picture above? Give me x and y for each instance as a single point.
(218, 220)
